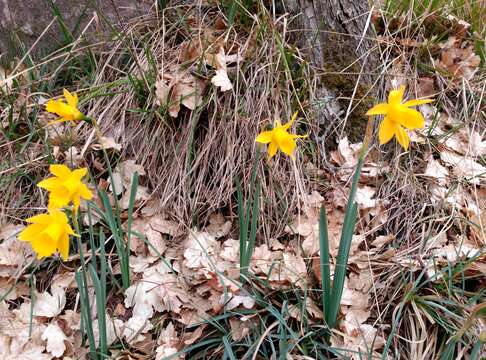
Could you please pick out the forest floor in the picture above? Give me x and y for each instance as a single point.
(177, 100)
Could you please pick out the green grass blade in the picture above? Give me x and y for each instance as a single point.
(325, 261)
(476, 351)
(120, 245)
(91, 236)
(131, 204)
(101, 310)
(85, 311)
(448, 353)
(255, 213)
(228, 349)
(341, 263)
(241, 221)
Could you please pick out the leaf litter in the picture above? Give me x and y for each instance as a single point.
(184, 276)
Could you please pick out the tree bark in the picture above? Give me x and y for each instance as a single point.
(28, 22)
(336, 35)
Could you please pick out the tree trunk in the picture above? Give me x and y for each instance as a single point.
(336, 35)
(28, 22)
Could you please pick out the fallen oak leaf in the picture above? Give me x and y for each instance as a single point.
(55, 338)
(221, 80)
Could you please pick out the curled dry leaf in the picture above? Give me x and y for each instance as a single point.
(200, 252)
(219, 61)
(458, 59)
(168, 342)
(231, 301)
(134, 329)
(221, 80)
(114, 329)
(55, 338)
(14, 254)
(175, 87)
(157, 291)
(123, 175)
(436, 171)
(347, 155)
(107, 143)
(467, 142)
(464, 167)
(48, 305)
(239, 328)
(218, 226)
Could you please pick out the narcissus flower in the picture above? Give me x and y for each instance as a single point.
(66, 187)
(68, 111)
(397, 116)
(48, 233)
(280, 138)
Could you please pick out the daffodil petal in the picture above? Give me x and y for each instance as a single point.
(49, 183)
(76, 202)
(378, 109)
(396, 96)
(39, 219)
(402, 137)
(411, 119)
(287, 145)
(58, 198)
(292, 119)
(30, 231)
(386, 131)
(272, 149)
(264, 137)
(80, 173)
(417, 102)
(60, 170)
(85, 193)
(72, 99)
(60, 108)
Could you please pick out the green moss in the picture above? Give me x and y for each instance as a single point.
(340, 77)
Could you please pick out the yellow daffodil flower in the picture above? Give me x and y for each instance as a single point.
(280, 138)
(68, 111)
(397, 116)
(48, 233)
(66, 186)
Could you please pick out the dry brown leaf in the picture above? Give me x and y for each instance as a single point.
(464, 167)
(107, 143)
(134, 329)
(14, 254)
(219, 61)
(436, 171)
(49, 305)
(459, 60)
(231, 301)
(221, 80)
(200, 252)
(141, 194)
(239, 328)
(218, 226)
(175, 87)
(231, 250)
(425, 87)
(55, 338)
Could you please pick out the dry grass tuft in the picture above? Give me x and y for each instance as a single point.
(193, 160)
